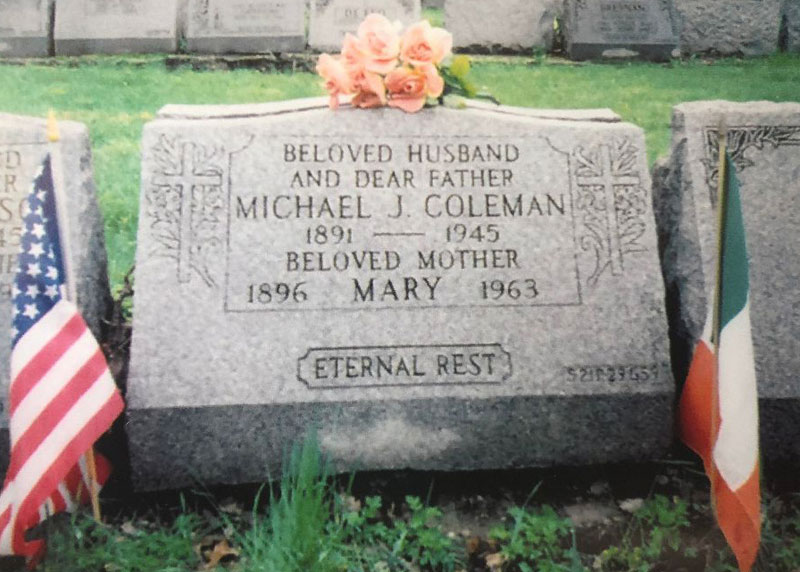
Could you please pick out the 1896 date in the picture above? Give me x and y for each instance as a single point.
(614, 373)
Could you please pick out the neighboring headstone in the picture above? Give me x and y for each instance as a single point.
(330, 20)
(764, 143)
(596, 29)
(245, 26)
(729, 27)
(790, 19)
(510, 25)
(115, 26)
(23, 147)
(24, 28)
(453, 289)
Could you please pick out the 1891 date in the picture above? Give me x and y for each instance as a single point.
(615, 373)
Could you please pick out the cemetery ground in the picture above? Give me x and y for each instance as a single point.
(634, 517)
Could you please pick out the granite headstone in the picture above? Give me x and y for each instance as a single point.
(596, 29)
(23, 147)
(729, 27)
(764, 143)
(330, 20)
(24, 28)
(115, 26)
(790, 22)
(453, 289)
(245, 26)
(509, 25)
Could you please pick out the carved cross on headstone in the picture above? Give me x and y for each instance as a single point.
(606, 180)
(189, 177)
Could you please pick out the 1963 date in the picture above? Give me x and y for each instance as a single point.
(615, 373)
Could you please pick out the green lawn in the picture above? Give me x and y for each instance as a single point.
(116, 96)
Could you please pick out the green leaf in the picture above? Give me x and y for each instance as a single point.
(460, 66)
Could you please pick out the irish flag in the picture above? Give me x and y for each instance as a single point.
(719, 404)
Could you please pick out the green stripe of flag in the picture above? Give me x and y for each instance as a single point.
(734, 284)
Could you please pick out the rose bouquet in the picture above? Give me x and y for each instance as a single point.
(382, 66)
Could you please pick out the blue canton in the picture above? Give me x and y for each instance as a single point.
(40, 272)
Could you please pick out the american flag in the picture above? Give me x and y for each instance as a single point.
(62, 396)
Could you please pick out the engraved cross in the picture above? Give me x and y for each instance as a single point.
(189, 177)
(608, 180)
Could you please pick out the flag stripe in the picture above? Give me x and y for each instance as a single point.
(734, 284)
(51, 383)
(56, 410)
(30, 349)
(736, 447)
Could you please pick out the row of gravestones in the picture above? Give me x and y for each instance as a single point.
(207, 26)
(654, 29)
(592, 29)
(457, 289)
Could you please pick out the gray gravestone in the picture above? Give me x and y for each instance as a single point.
(24, 28)
(245, 26)
(512, 24)
(454, 289)
(791, 20)
(115, 26)
(729, 27)
(764, 143)
(620, 28)
(330, 20)
(23, 147)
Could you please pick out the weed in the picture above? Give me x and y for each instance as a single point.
(653, 529)
(538, 540)
(292, 537)
(85, 545)
(398, 544)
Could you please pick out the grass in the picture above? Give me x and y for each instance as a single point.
(313, 524)
(115, 96)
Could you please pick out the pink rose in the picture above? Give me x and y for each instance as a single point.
(380, 43)
(370, 90)
(423, 44)
(409, 88)
(352, 54)
(337, 80)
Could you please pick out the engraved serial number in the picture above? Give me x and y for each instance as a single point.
(613, 373)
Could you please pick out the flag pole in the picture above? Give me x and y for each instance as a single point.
(722, 175)
(54, 138)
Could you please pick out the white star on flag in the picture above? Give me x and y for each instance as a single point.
(38, 230)
(36, 249)
(30, 311)
(52, 272)
(34, 270)
(51, 291)
(32, 291)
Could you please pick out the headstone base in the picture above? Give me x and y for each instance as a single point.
(24, 47)
(240, 45)
(115, 46)
(246, 443)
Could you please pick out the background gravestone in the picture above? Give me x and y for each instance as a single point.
(24, 28)
(115, 26)
(331, 19)
(620, 28)
(23, 146)
(511, 24)
(245, 26)
(454, 289)
(764, 143)
(791, 20)
(729, 27)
